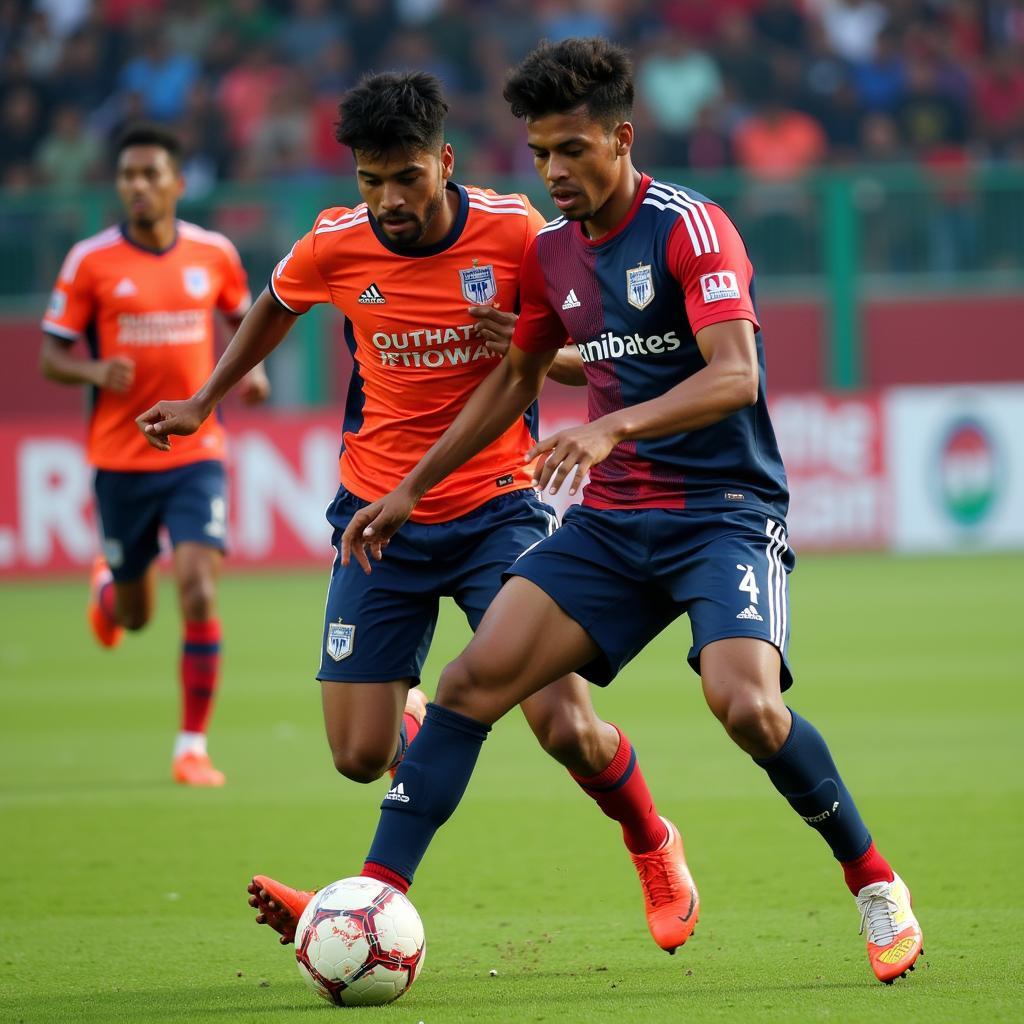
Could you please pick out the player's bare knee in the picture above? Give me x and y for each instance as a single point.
(360, 765)
(133, 619)
(752, 720)
(198, 597)
(464, 688)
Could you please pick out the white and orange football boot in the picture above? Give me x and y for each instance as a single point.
(278, 905)
(670, 897)
(194, 768)
(894, 935)
(107, 632)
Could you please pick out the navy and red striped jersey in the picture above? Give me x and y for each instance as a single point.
(633, 301)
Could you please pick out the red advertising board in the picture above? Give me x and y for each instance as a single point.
(284, 473)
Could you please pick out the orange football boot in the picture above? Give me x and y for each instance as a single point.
(107, 632)
(278, 905)
(415, 705)
(196, 769)
(894, 935)
(670, 897)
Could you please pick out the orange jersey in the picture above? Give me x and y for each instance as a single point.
(156, 308)
(416, 357)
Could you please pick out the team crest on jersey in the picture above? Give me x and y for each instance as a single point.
(478, 284)
(57, 305)
(640, 286)
(341, 639)
(197, 281)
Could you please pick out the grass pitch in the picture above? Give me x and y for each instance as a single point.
(122, 896)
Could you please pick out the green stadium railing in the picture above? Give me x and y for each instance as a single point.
(835, 238)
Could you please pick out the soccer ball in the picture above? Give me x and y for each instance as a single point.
(359, 942)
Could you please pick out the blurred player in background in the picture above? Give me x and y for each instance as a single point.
(427, 273)
(685, 509)
(141, 296)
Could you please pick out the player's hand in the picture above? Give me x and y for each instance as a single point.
(166, 418)
(577, 449)
(115, 374)
(371, 528)
(254, 388)
(493, 327)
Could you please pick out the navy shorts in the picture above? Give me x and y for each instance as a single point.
(190, 500)
(378, 628)
(624, 575)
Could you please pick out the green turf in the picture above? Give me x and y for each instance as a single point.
(121, 896)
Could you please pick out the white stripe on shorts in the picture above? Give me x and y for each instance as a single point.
(778, 612)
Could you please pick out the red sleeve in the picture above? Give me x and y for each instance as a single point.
(234, 299)
(707, 256)
(296, 282)
(539, 327)
(72, 304)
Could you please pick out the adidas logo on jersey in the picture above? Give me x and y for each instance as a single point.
(397, 793)
(750, 612)
(571, 302)
(125, 287)
(372, 297)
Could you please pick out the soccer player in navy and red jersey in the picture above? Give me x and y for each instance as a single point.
(427, 274)
(685, 509)
(142, 296)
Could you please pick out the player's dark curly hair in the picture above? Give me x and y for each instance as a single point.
(143, 133)
(393, 111)
(559, 77)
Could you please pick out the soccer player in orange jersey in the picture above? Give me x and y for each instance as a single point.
(141, 296)
(427, 274)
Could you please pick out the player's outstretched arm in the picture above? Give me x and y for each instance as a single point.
(262, 330)
(500, 399)
(58, 363)
(728, 382)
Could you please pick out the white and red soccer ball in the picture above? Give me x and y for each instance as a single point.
(359, 942)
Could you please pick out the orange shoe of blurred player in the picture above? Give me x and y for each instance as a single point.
(107, 632)
(195, 768)
(894, 935)
(278, 905)
(670, 897)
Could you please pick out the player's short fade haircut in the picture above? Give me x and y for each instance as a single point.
(558, 77)
(146, 134)
(391, 111)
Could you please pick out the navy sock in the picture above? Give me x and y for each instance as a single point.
(427, 788)
(803, 771)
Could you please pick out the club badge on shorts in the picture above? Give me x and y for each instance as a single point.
(341, 639)
(640, 286)
(478, 284)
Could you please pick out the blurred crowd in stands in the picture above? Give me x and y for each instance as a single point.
(774, 87)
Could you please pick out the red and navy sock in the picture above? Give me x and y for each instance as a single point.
(427, 788)
(200, 670)
(803, 771)
(869, 868)
(621, 792)
(406, 734)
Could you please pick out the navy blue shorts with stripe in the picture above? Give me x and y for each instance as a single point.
(378, 628)
(624, 575)
(190, 501)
